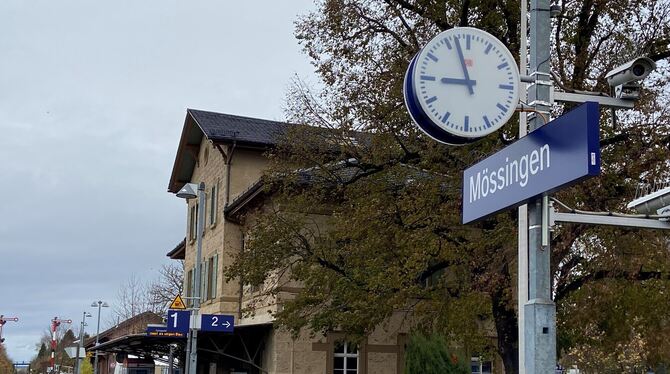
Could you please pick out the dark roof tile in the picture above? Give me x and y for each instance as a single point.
(227, 128)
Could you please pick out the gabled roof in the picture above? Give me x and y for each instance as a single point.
(346, 171)
(228, 128)
(244, 198)
(133, 325)
(220, 128)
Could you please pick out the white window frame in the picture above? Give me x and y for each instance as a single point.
(193, 222)
(345, 354)
(203, 281)
(211, 266)
(189, 286)
(480, 362)
(213, 205)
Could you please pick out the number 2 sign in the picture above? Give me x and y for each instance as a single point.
(217, 322)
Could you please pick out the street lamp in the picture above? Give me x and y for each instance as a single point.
(191, 191)
(98, 304)
(81, 340)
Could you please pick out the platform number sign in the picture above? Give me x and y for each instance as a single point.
(178, 320)
(217, 322)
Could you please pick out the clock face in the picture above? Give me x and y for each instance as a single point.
(464, 82)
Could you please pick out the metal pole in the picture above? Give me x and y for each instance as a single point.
(188, 353)
(54, 325)
(522, 255)
(193, 338)
(170, 360)
(97, 337)
(81, 343)
(77, 364)
(539, 310)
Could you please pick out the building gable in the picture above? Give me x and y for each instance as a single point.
(219, 128)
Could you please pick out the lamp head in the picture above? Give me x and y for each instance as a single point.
(188, 191)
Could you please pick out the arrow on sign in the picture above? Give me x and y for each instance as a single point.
(217, 322)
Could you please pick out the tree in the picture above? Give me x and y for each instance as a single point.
(132, 298)
(169, 283)
(6, 365)
(42, 351)
(429, 355)
(378, 228)
(86, 367)
(41, 362)
(135, 296)
(64, 338)
(67, 340)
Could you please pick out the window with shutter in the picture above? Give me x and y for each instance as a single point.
(213, 200)
(193, 222)
(189, 287)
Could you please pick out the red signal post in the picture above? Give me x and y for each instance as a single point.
(55, 322)
(4, 320)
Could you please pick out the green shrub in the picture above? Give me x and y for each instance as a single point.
(86, 367)
(430, 355)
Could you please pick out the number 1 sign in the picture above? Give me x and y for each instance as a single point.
(217, 322)
(178, 320)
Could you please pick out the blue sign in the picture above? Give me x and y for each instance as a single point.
(161, 331)
(217, 322)
(154, 328)
(178, 320)
(560, 153)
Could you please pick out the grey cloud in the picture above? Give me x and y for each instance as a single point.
(92, 102)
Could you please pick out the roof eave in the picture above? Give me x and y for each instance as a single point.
(242, 201)
(189, 122)
(179, 251)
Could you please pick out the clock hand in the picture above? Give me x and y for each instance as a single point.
(465, 69)
(465, 82)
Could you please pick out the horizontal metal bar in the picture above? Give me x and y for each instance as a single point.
(535, 103)
(647, 223)
(602, 100)
(527, 78)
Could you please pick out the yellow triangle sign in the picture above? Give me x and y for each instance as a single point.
(177, 303)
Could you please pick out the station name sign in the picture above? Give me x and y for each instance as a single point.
(563, 152)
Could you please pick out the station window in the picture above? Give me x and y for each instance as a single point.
(189, 287)
(213, 199)
(480, 366)
(193, 222)
(212, 266)
(346, 358)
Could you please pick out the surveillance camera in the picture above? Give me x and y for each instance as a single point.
(656, 202)
(631, 71)
(625, 78)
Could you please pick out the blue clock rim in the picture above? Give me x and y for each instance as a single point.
(421, 119)
(424, 119)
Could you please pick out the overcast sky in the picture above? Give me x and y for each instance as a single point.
(93, 96)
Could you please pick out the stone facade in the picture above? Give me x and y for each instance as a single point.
(220, 238)
(231, 168)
